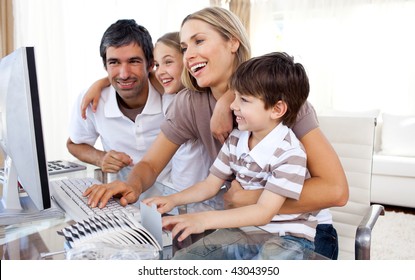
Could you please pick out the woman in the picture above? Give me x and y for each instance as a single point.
(214, 43)
(190, 162)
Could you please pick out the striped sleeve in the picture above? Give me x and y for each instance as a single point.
(221, 166)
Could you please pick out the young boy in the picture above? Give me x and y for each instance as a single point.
(262, 153)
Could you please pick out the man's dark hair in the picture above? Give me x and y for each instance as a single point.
(273, 77)
(124, 32)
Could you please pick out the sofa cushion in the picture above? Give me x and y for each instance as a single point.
(398, 135)
(393, 165)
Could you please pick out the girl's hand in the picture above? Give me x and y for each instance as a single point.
(92, 96)
(164, 203)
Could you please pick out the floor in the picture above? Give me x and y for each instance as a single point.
(400, 209)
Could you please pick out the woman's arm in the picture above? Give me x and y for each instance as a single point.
(141, 177)
(326, 188)
(221, 122)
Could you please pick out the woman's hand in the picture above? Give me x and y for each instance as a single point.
(98, 195)
(221, 122)
(236, 196)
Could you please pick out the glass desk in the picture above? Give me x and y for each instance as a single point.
(40, 240)
(35, 242)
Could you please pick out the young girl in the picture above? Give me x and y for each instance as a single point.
(214, 44)
(190, 163)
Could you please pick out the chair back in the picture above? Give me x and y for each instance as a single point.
(353, 140)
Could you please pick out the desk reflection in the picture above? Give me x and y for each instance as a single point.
(39, 240)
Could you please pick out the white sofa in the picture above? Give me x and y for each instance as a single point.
(393, 180)
(393, 174)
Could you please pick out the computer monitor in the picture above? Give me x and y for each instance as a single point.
(21, 134)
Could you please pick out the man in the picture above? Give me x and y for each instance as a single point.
(130, 112)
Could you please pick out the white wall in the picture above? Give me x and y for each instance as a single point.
(358, 53)
(66, 35)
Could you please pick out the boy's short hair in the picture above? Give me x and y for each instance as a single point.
(124, 32)
(273, 77)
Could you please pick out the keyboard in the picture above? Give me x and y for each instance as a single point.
(63, 166)
(67, 193)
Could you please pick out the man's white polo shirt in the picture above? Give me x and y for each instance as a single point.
(116, 131)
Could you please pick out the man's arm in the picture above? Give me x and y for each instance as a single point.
(110, 162)
(85, 152)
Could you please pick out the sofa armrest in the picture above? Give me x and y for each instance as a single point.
(378, 136)
(364, 232)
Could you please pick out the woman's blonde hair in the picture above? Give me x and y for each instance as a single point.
(228, 25)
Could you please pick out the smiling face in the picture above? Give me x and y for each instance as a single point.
(207, 55)
(128, 73)
(169, 65)
(251, 114)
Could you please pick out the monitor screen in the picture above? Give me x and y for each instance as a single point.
(21, 134)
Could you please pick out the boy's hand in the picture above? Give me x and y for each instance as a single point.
(184, 225)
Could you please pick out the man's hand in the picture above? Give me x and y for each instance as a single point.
(114, 161)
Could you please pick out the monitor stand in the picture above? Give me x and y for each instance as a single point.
(16, 206)
(28, 212)
(10, 194)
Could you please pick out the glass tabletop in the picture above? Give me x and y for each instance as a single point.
(248, 243)
(39, 240)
